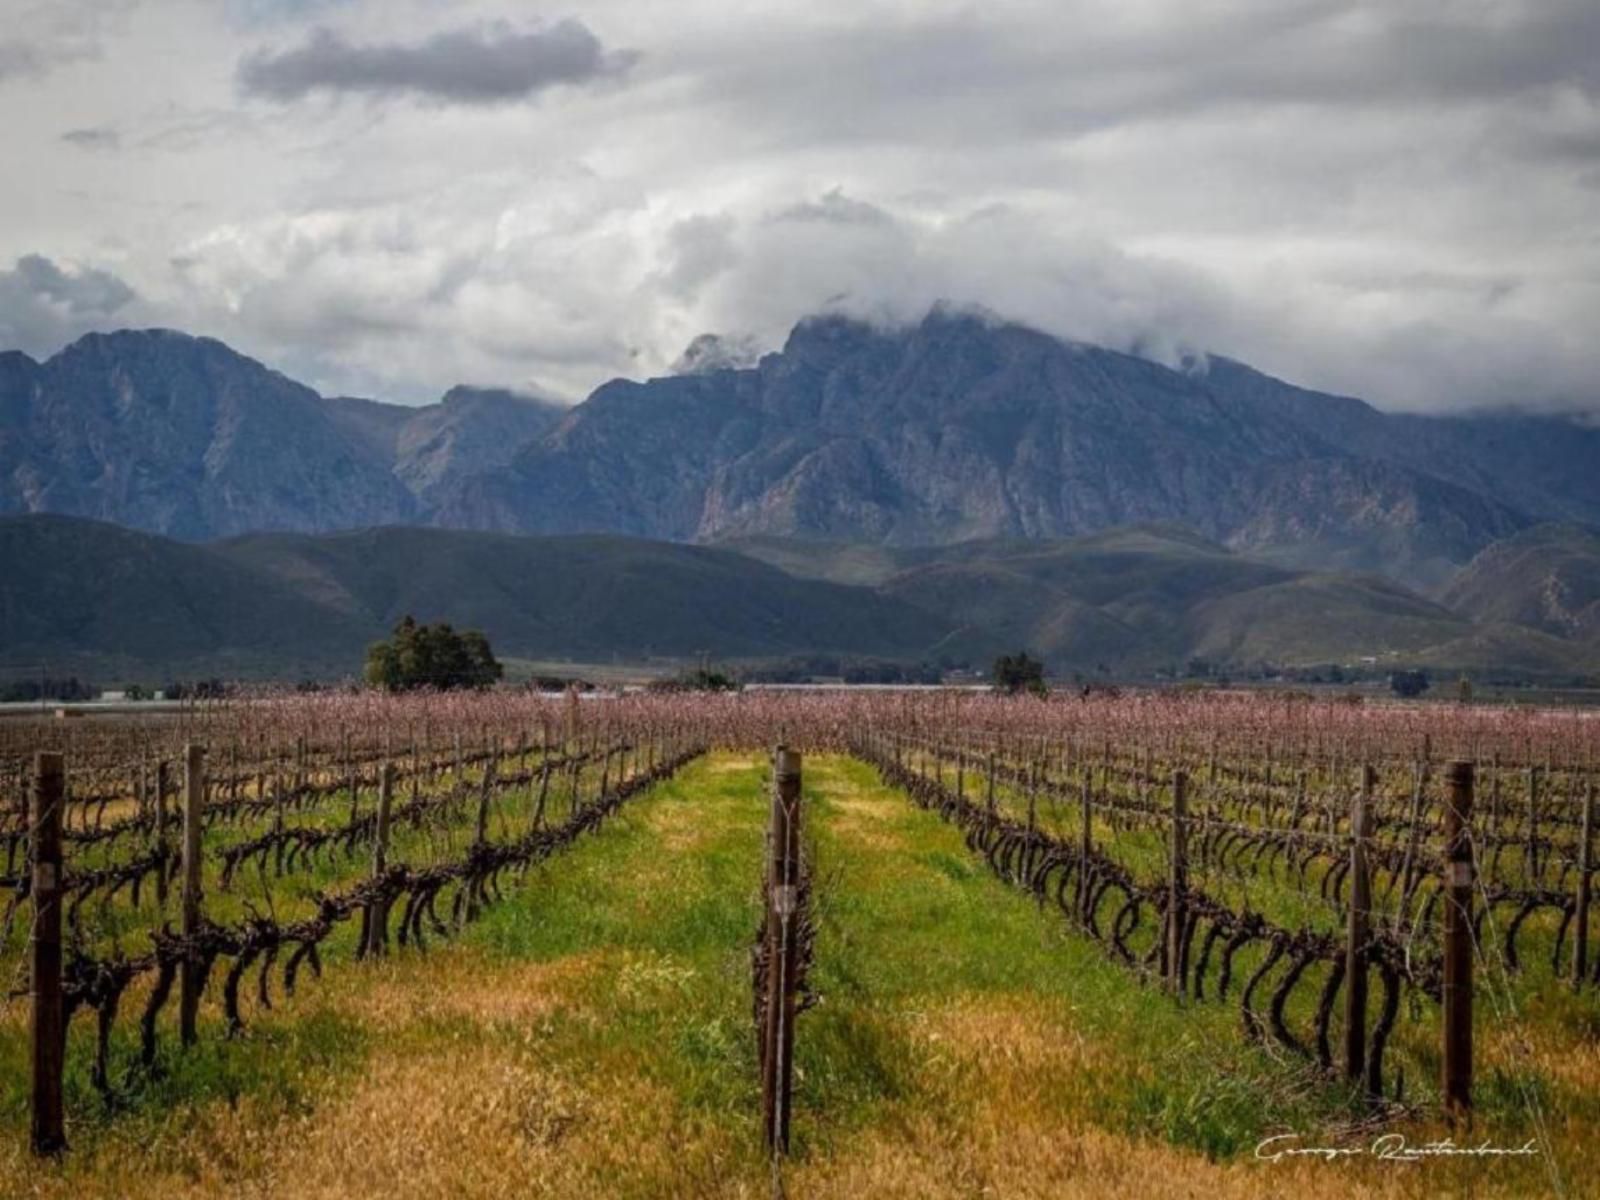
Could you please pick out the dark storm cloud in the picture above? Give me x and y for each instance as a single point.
(42, 305)
(970, 77)
(480, 66)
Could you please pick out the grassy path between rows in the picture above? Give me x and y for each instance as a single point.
(591, 1036)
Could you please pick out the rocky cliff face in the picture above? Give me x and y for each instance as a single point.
(167, 432)
(180, 435)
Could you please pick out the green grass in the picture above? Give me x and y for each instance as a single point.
(912, 920)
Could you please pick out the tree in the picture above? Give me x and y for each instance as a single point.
(1409, 684)
(1015, 673)
(435, 656)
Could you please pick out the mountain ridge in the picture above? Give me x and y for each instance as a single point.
(945, 430)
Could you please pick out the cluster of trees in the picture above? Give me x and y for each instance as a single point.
(199, 689)
(1019, 673)
(30, 691)
(436, 656)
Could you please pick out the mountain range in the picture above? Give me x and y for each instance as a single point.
(968, 483)
(952, 429)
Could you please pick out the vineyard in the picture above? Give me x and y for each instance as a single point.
(1379, 915)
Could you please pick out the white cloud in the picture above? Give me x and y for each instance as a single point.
(1398, 200)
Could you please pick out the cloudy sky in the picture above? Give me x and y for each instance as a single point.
(1395, 199)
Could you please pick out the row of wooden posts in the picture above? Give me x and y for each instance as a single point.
(1459, 879)
(48, 1023)
(782, 936)
(47, 804)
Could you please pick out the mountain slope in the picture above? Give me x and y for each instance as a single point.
(1150, 597)
(1546, 578)
(109, 602)
(103, 600)
(180, 435)
(582, 595)
(469, 431)
(113, 603)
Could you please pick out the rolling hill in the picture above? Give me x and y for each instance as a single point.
(99, 600)
(1139, 599)
(112, 603)
(1546, 578)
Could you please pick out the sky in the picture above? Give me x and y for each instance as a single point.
(1398, 200)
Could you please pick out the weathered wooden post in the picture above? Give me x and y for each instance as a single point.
(1533, 827)
(1458, 883)
(537, 818)
(1355, 953)
(989, 794)
(1580, 928)
(352, 777)
(1178, 882)
(378, 917)
(783, 948)
(1409, 874)
(484, 793)
(49, 1020)
(1085, 846)
(280, 801)
(194, 766)
(164, 870)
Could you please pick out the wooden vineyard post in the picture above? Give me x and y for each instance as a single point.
(989, 794)
(1458, 883)
(49, 1022)
(1408, 872)
(1355, 972)
(378, 918)
(194, 766)
(1085, 847)
(163, 871)
(782, 938)
(483, 801)
(1533, 827)
(1178, 882)
(1580, 928)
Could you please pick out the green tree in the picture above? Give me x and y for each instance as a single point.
(435, 656)
(1016, 673)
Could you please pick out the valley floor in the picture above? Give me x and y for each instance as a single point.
(591, 1036)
